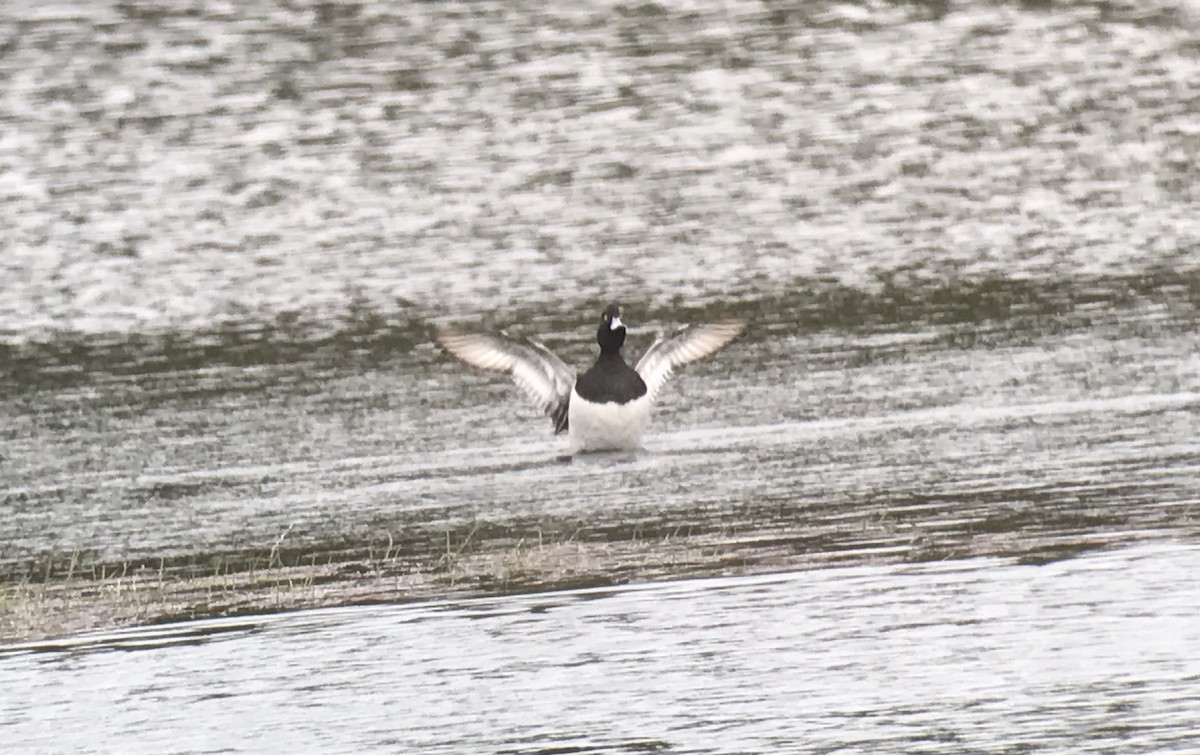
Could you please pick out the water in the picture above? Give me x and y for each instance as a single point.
(901, 444)
(172, 168)
(965, 237)
(975, 655)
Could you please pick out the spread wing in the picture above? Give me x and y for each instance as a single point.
(685, 345)
(545, 378)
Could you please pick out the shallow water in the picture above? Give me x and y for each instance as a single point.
(964, 234)
(886, 442)
(972, 655)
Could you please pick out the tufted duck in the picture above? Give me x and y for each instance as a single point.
(607, 407)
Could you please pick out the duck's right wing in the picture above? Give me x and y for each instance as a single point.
(545, 378)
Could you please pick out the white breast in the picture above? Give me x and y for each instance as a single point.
(607, 427)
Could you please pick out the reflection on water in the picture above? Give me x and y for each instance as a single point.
(975, 655)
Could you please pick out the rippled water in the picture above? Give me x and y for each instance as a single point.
(898, 442)
(172, 166)
(978, 655)
(963, 420)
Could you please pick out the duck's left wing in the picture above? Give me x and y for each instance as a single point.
(685, 345)
(541, 375)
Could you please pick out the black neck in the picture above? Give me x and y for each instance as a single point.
(610, 340)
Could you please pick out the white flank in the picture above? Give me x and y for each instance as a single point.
(607, 427)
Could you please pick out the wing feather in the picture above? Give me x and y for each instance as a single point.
(681, 347)
(540, 375)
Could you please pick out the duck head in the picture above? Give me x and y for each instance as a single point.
(611, 333)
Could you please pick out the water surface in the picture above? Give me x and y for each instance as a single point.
(962, 424)
(976, 655)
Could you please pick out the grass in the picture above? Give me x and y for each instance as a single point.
(471, 565)
(79, 602)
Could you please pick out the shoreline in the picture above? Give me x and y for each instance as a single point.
(31, 612)
(58, 608)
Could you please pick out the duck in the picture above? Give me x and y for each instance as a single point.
(607, 408)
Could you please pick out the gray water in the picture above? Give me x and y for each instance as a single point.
(1097, 653)
(962, 423)
(879, 443)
